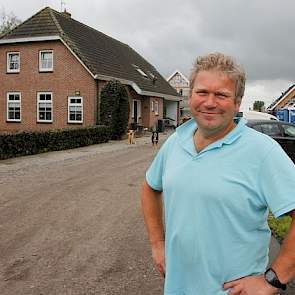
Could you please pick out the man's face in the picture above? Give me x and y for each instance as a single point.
(213, 102)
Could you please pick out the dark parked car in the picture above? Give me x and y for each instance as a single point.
(282, 132)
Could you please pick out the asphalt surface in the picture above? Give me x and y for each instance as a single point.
(71, 223)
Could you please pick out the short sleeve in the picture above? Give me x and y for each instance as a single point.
(277, 181)
(155, 172)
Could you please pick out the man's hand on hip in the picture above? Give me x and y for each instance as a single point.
(252, 285)
(158, 250)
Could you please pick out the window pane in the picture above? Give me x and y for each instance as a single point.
(48, 96)
(14, 61)
(46, 60)
(289, 130)
(48, 115)
(271, 129)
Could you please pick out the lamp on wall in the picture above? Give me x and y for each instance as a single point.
(77, 92)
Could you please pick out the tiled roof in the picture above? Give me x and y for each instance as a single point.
(101, 54)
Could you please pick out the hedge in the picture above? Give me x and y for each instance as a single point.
(29, 143)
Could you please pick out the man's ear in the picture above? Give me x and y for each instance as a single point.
(238, 105)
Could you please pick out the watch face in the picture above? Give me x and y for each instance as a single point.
(270, 275)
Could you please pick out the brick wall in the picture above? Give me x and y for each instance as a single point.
(68, 77)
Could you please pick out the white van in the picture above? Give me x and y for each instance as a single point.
(253, 115)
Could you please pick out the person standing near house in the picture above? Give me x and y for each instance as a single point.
(155, 137)
(217, 181)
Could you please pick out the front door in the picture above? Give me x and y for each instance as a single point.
(135, 104)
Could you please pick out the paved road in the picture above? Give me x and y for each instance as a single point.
(70, 223)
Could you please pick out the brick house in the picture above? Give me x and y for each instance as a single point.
(52, 69)
(181, 84)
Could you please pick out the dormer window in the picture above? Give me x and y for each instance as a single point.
(46, 61)
(140, 71)
(13, 62)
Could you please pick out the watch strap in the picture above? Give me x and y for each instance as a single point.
(272, 278)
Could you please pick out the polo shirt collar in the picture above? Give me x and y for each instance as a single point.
(186, 132)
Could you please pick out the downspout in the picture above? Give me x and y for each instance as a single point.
(97, 111)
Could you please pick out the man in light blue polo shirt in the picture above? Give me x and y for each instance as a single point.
(217, 180)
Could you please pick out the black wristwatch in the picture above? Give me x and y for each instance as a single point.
(272, 278)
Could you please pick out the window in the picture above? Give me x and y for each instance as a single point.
(140, 71)
(13, 62)
(14, 106)
(44, 107)
(153, 106)
(46, 60)
(289, 130)
(75, 110)
(156, 107)
(271, 129)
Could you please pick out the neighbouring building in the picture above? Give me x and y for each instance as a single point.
(52, 69)
(285, 100)
(181, 84)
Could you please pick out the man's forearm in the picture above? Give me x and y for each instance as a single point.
(284, 264)
(153, 213)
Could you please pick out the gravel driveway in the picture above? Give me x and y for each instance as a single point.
(71, 223)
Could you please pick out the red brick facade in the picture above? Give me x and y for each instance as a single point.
(69, 78)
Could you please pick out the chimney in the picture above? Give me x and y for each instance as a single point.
(66, 14)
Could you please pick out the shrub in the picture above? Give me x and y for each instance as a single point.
(29, 143)
(279, 226)
(114, 108)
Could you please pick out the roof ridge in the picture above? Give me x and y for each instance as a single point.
(84, 25)
(51, 12)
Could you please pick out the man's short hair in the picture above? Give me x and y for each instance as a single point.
(223, 63)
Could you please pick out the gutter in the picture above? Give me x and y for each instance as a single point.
(137, 88)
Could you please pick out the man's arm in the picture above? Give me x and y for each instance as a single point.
(153, 216)
(284, 266)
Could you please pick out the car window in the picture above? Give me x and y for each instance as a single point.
(289, 130)
(257, 128)
(271, 129)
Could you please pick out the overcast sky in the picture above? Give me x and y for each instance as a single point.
(170, 34)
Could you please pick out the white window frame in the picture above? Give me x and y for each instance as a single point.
(152, 106)
(9, 102)
(41, 69)
(156, 107)
(38, 109)
(75, 105)
(8, 62)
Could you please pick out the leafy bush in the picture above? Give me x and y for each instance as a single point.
(279, 226)
(114, 108)
(29, 143)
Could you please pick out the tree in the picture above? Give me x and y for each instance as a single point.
(258, 105)
(114, 108)
(8, 22)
